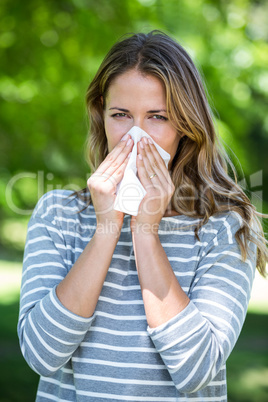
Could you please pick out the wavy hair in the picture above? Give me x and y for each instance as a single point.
(199, 169)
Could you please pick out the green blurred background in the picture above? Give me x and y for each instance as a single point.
(49, 51)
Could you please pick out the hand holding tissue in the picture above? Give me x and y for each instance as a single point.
(130, 192)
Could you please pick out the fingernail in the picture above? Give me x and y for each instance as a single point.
(145, 140)
(129, 155)
(124, 138)
(141, 144)
(150, 141)
(129, 141)
(140, 156)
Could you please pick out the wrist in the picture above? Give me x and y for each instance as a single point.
(108, 229)
(145, 229)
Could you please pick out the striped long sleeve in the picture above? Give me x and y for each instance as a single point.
(202, 336)
(49, 333)
(114, 355)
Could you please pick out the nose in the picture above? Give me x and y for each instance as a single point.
(138, 122)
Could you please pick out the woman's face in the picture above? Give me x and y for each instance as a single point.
(134, 99)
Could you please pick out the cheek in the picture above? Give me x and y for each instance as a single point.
(172, 145)
(115, 131)
(170, 141)
(110, 145)
(113, 135)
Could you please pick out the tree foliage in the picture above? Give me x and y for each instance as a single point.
(49, 51)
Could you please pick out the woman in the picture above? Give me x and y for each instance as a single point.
(141, 308)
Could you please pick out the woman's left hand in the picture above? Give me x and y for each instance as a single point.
(159, 188)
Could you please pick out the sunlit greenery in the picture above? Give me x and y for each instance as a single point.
(50, 50)
(10, 279)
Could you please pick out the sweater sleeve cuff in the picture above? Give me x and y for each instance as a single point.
(178, 329)
(56, 319)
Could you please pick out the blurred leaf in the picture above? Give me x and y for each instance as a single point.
(49, 52)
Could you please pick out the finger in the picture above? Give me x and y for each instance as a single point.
(120, 159)
(118, 174)
(116, 151)
(144, 175)
(112, 181)
(158, 162)
(115, 158)
(150, 163)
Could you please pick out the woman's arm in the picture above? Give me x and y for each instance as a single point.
(196, 343)
(193, 336)
(162, 294)
(80, 290)
(57, 302)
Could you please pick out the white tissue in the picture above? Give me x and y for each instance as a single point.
(130, 192)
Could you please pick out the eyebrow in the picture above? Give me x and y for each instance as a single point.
(127, 111)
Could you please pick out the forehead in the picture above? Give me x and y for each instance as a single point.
(133, 84)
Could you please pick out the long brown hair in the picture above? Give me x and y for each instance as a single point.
(199, 169)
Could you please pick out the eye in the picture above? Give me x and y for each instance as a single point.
(119, 115)
(159, 117)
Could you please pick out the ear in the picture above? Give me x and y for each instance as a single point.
(102, 101)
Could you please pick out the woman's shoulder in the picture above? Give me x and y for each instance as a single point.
(63, 203)
(222, 226)
(228, 218)
(215, 222)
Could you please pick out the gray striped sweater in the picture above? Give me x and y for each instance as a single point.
(114, 355)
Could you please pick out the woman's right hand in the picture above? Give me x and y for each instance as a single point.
(103, 182)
